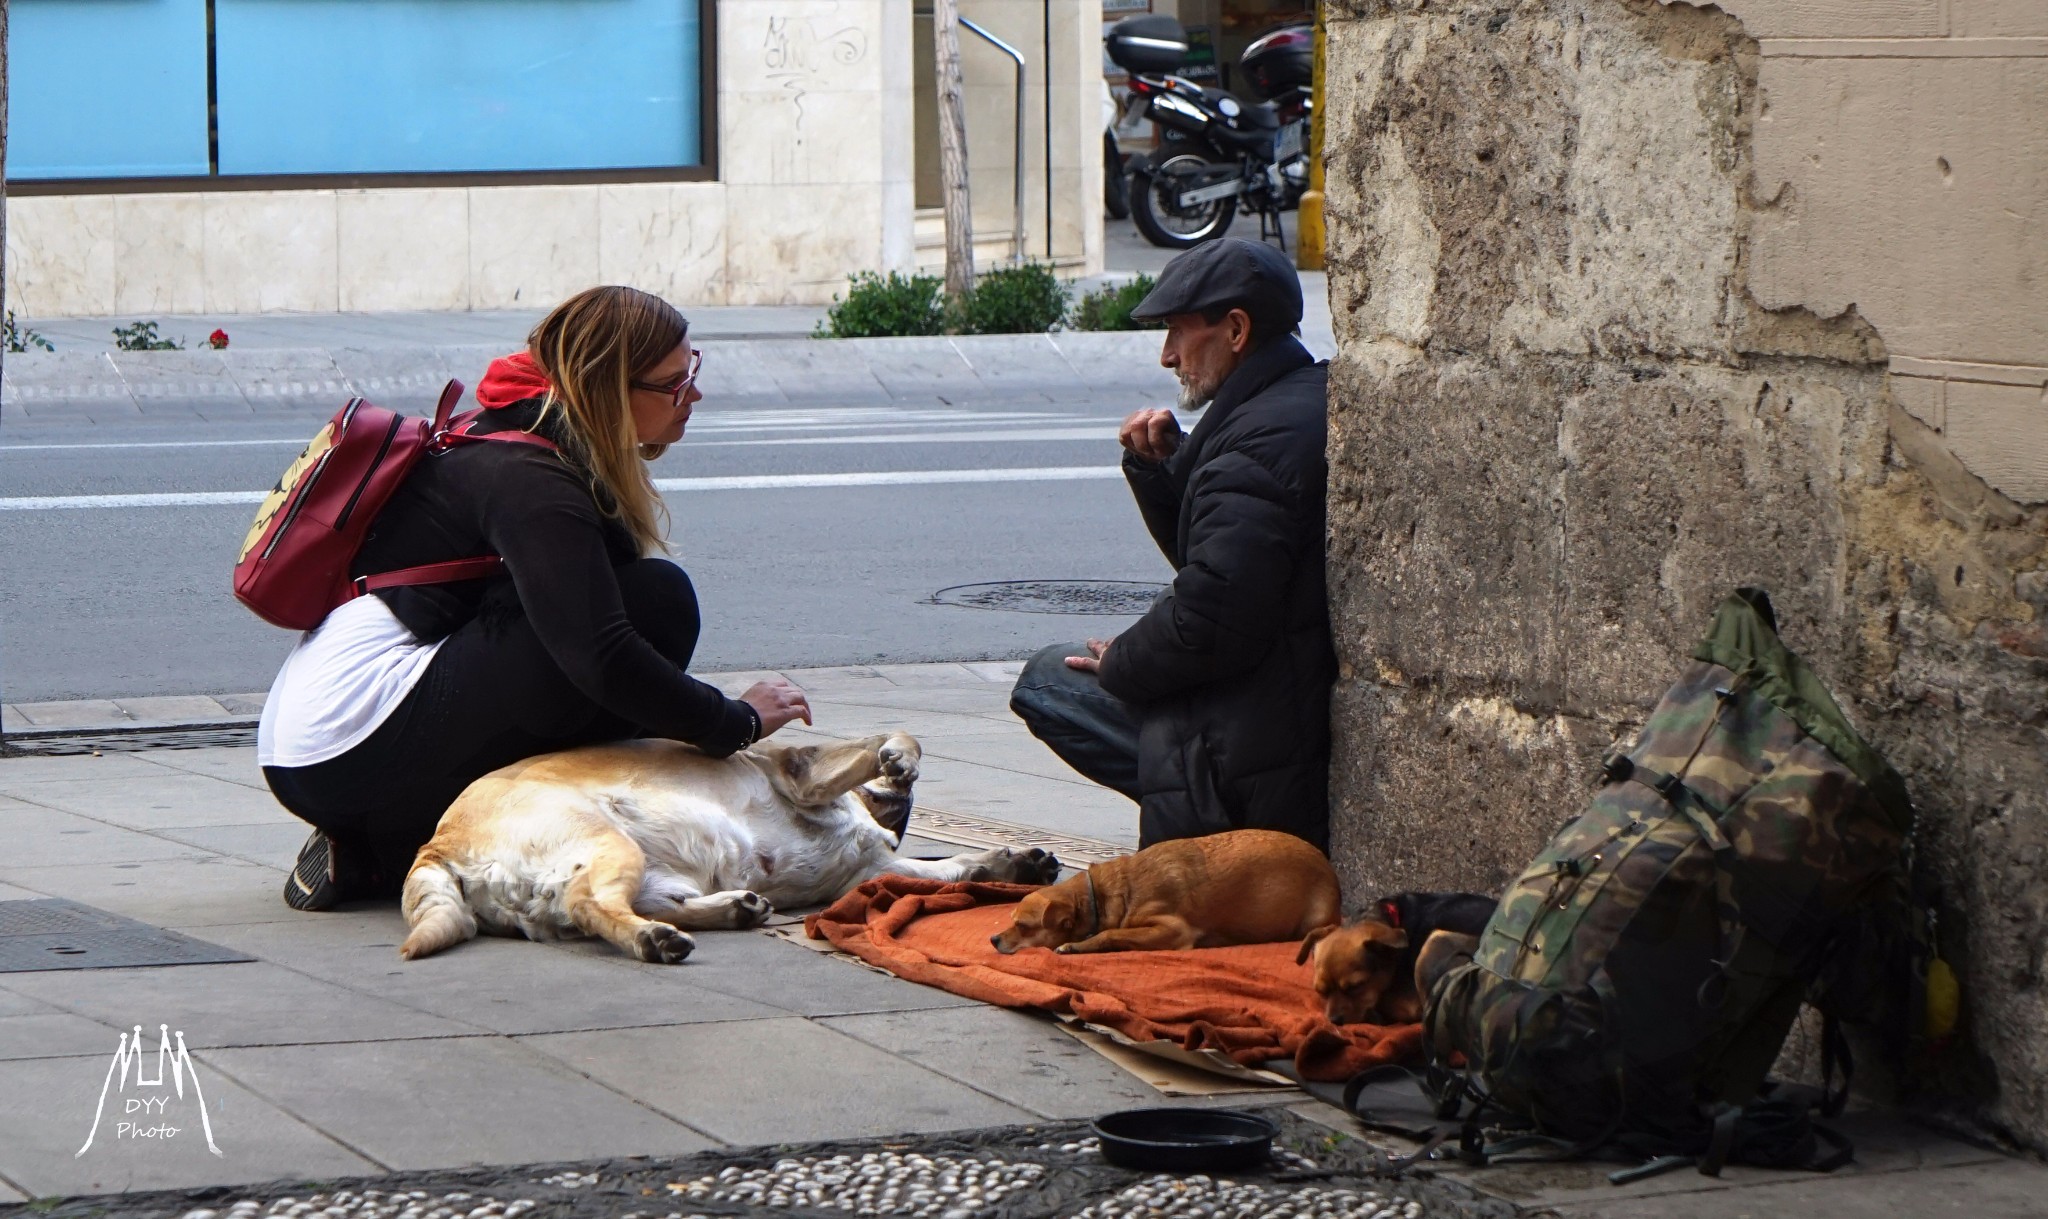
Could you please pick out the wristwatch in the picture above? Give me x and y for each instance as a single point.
(753, 719)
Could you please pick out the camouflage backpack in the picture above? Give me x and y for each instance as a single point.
(1748, 854)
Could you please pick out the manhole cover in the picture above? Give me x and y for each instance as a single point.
(1053, 596)
(52, 933)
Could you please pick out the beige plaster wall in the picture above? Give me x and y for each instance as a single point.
(1636, 303)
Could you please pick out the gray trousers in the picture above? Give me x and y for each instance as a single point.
(1090, 729)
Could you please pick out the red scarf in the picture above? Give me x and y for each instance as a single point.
(510, 379)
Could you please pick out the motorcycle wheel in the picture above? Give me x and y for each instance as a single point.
(1116, 183)
(1152, 208)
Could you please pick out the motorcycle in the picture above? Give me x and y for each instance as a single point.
(1216, 154)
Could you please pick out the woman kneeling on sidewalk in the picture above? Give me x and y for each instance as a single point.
(401, 698)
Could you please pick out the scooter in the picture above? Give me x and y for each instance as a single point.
(1216, 154)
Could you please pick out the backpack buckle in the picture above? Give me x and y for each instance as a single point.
(1617, 767)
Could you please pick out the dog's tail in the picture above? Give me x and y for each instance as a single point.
(434, 905)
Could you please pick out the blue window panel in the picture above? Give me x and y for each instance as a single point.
(425, 86)
(106, 88)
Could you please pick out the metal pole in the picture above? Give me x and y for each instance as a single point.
(1017, 242)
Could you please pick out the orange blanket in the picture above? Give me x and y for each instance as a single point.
(1251, 1002)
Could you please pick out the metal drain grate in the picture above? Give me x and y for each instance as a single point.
(51, 933)
(1053, 596)
(69, 742)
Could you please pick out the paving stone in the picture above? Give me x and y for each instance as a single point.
(270, 376)
(272, 846)
(174, 709)
(43, 382)
(10, 1195)
(257, 1141)
(19, 775)
(160, 797)
(1038, 1067)
(1081, 809)
(402, 378)
(257, 1003)
(1029, 363)
(501, 984)
(775, 1081)
(55, 1034)
(186, 894)
(926, 368)
(182, 378)
(43, 837)
(2006, 1189)
(229, 763)
(1004, 671)
(738, 372)
(12, 720)
(984, 699)
(476, 1101)
(812, 372)
(242, 704)
(76, 713)
(768, 970)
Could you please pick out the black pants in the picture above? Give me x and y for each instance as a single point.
(491, 696)
(1090, 729)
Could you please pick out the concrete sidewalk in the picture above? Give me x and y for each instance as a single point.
(326, 1056)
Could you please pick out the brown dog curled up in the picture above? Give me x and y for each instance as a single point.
(1367, 971)
(1237, 887)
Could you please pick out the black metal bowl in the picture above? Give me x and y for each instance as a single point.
(1185, 1140)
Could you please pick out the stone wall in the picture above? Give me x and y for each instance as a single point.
(1635, 304)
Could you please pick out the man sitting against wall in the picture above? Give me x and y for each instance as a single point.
(1213, 710)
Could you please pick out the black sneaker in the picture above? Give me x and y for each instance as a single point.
(312, 884)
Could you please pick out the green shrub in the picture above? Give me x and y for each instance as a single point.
(21, 338)
(879, 307)
(142, 336)
(1110, 308)
(1014, 300)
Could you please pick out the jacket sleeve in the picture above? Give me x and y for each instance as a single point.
(542, 522)
(1223, 611)
(1158, 503)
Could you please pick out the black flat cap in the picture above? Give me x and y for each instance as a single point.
(1229, 273)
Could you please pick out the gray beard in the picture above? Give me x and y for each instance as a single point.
(1194, 395)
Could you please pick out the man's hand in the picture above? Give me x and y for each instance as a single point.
(1152, 434)
(777, 702)
(1091, 663)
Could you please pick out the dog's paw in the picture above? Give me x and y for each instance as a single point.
(899, 757)
(661, 944)
(751, 910)
(1032, 867)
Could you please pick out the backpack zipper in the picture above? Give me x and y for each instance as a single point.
(304, 489)
(349, 508)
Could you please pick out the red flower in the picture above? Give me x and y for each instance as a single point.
(217, 340)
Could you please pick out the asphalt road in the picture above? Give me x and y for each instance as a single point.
(130, 597)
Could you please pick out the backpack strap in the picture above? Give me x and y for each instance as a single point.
(430, 573)
(447, 433)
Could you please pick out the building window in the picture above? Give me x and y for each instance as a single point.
(113, 89)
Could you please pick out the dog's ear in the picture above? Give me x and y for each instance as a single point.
(1309, 942)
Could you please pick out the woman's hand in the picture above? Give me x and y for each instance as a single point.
(777, 702)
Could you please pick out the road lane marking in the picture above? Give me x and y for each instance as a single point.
(736, 482)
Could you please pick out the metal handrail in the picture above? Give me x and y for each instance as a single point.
(1017, 247)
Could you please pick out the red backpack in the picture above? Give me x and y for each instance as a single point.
(294, 564)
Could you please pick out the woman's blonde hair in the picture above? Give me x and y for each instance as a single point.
(591, 348)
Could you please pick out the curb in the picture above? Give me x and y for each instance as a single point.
(938, 370)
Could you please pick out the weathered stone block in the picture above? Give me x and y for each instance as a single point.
(1436, 791)
(1462, 587)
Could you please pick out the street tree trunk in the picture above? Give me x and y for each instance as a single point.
(953, 150)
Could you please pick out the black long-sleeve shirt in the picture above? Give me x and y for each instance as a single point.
(538, 511)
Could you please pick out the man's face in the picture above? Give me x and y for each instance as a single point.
(1203, 353)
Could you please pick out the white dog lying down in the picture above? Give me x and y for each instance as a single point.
(634, 842)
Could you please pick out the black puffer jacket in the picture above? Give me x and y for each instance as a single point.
(1230, 671)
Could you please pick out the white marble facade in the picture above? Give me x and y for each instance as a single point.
(814, 183)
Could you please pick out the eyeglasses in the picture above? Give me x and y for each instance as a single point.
(680, 389)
